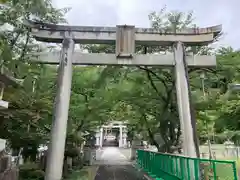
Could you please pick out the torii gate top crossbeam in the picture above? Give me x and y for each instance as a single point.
(107, 35)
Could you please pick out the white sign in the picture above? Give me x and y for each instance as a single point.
(2, 144)
(3, 104)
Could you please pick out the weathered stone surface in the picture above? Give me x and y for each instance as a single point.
(118, 172)
(7, 171)
(107, 35)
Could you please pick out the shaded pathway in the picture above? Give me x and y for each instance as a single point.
(113, 155)
(118, 172)
(114, 164)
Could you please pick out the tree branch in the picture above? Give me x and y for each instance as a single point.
(201, 69)
(153, 73)
(25, 46)
(14, 41)
(85, 114)
(149, 72)
(150, 133)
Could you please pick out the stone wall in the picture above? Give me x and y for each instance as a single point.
(8, 171)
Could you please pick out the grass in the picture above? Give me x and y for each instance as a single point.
(225, 171)
(78, 175)
(87, 173)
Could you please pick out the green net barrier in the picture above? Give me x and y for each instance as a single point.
(172, 167)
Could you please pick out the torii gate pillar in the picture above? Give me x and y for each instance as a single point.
(56, 149)
(182, 89)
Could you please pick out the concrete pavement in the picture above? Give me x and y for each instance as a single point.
(114, 164)
(118, 172)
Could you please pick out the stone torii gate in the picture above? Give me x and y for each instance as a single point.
(114, 124)
(125, 38)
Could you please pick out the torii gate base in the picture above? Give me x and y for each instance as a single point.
(125, 37)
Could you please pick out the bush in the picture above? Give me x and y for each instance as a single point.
(30, 171)
(72, 152)
(78, 162)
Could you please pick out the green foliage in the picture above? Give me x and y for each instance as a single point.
(26, 123)
(30, 171)
(219, 109)
(145, 97)
(82, 174)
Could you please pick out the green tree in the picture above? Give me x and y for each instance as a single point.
(27, 121)
(150, 91)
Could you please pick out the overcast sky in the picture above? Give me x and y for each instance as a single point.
(135, 12)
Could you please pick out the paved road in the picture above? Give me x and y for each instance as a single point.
(110, 143)
(115, 165)
(118, 172)
(113, 156)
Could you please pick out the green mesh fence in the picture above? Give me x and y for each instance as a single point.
(173, 167)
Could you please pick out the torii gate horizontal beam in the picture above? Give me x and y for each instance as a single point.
(138, 59)
(118, 126)
(107, 35)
